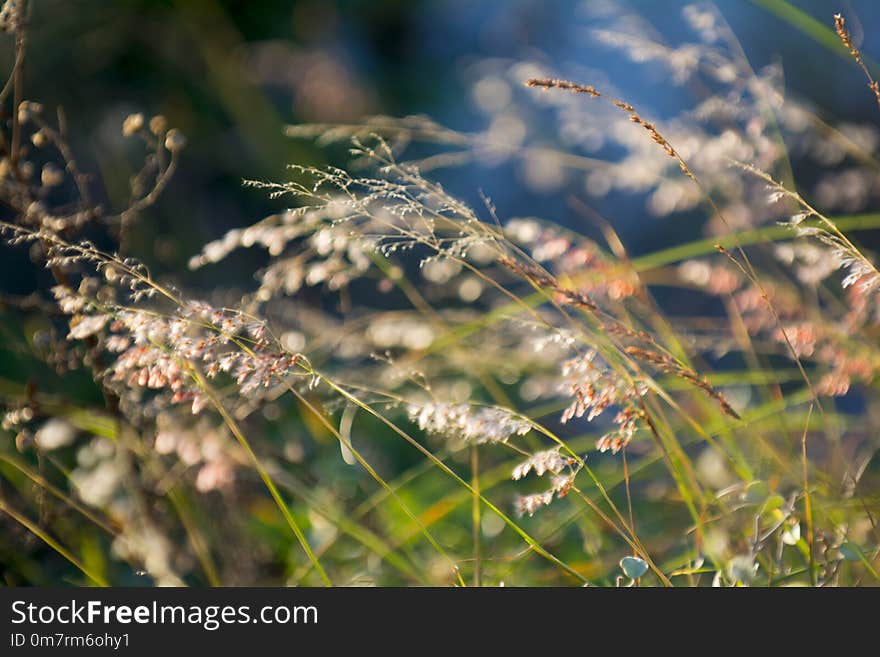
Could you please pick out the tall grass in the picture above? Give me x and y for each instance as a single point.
(418, 391)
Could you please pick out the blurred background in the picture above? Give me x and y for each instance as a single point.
(231, 74)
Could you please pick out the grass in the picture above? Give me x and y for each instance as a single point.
(420, 392)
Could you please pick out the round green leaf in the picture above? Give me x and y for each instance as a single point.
(633, 567)
(850, 551)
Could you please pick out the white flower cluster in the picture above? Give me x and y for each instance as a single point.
(595, 388)
(470, 424)
(544, 462)
(528, 504)
(549, 460)
(157, 351)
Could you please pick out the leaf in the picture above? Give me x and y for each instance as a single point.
(772, 503)
(633, 567)
(792, 535)
(850, 551)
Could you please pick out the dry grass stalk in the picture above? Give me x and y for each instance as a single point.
(843, 32)
(634, 116)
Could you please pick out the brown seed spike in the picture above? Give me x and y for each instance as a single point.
(553, 83)
(843, 32)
